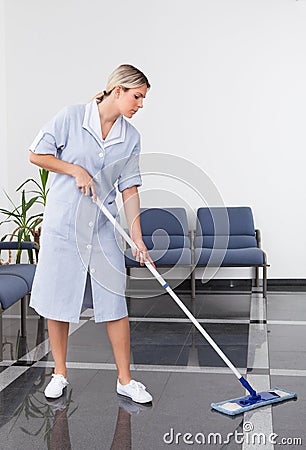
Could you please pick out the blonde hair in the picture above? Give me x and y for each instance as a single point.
(126, 76)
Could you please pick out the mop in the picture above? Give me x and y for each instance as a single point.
(230, 407)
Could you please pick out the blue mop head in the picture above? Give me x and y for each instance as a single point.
(241, 404)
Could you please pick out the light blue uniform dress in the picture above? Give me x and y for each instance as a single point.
(81, 261)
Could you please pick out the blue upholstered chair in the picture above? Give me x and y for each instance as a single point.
(166, 235)
(15, 284)
(226, 237)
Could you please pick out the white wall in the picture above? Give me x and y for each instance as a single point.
(3, 124)
(228, 93)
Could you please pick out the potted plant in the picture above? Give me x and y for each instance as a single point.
(26, 227)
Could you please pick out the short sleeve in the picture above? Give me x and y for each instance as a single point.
(53, 135)
(130, 175)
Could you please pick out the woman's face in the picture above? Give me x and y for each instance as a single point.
(131, 100)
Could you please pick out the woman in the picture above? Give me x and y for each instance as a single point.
(90, 148)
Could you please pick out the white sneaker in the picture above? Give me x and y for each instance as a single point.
(56, 386)
(134, 390)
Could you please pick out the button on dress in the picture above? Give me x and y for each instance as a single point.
(81, 260)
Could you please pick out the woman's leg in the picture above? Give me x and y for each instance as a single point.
(119, 336)
(58, 335)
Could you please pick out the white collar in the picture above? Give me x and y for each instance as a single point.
(92, 124)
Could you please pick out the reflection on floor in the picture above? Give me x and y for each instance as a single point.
(266, 341)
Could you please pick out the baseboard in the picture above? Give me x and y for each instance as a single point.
(220, 285)
(239, 284)
(273, 284)
(285, 284)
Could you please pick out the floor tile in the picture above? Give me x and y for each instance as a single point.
(223, 306)
(287, 346)
(232, 339)
(160, 343)
(159, 306)
(14, 345)
(287, 306)
(168, 354)
(289, 417)
(93, 414)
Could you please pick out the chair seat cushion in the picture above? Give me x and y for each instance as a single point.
(230, 257)
(169, 257)
(162, 241)
(12, 288)
(229, 242)
(24, 271)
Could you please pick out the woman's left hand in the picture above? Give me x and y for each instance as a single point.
(141, 254)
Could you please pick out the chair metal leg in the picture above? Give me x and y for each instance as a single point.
(256, 276)
(1, 336)
(193, 293)
(264, 281)
(24, 311)
(128, 283)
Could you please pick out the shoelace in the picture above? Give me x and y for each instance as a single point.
(59, 379)
(138, 385)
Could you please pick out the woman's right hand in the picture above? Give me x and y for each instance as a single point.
(84, 182)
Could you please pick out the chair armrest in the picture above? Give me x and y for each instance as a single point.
(191, 234)
(258, 238)
(5, 245)
(265, 259)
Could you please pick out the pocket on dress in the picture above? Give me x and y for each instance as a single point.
(57, 218)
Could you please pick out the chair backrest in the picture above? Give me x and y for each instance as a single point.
(164, 227)
(235, 224)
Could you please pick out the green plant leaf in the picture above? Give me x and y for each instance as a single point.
(10, 200)
(5, 236)
(35, 192)
(7, 221)
(30, 203)
(26, 226)
(36, 215)
(32, 225)
(30, 257)
(23, 202)
(44, 175)
(20, 238)
(25, 182)
(20, 234)
(8, 213)
(16, 219)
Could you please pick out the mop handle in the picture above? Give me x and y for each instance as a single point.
(166, 286)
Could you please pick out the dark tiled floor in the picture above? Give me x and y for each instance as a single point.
(287, 350)
(289, 419)
(92, 410)
(207, 306)
(286, 306)
(175, 362)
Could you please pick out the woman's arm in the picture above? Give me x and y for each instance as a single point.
(131, 204)
(83, 180)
